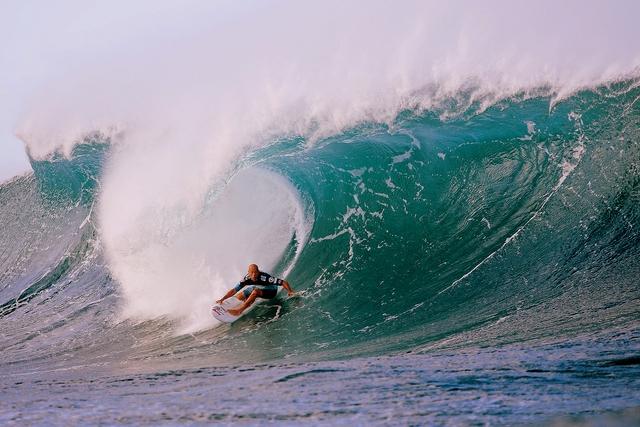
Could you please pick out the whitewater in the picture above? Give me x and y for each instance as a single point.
(454, 190)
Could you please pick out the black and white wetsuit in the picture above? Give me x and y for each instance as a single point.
(265, 282)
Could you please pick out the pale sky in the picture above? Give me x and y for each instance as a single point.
(42, 40)
(64, 51)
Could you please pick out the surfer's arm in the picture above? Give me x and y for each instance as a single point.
(288, 287)
(231, 292)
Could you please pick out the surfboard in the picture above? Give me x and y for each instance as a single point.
(219, 311)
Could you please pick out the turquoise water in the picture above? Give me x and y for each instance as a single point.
(491, 239)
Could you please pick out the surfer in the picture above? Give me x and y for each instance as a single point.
(256, 284)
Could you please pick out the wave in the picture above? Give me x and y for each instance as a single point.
(499, 224)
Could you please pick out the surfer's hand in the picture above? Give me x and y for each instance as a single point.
(290, 293)
(219, 301)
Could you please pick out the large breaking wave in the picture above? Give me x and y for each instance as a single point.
(508, 224)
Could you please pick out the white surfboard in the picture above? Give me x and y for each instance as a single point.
(220, 312)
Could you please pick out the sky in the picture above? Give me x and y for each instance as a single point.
(70, 65)
(42, 42)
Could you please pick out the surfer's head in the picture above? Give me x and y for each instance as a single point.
(253, 271)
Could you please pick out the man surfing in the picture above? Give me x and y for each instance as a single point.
(256, 284)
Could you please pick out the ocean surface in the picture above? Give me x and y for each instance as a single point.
(459, 265)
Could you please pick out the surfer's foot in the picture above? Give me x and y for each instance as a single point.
(235, 311)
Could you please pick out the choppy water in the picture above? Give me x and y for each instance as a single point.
(509, 385)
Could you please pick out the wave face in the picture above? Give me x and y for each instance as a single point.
(504, 225)
(508, 224)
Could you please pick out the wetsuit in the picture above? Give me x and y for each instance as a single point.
(266, 283)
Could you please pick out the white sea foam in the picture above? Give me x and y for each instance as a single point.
(175, 261)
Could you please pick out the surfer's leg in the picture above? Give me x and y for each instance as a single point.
(245, 293)
(252, 297)
(269, 291)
